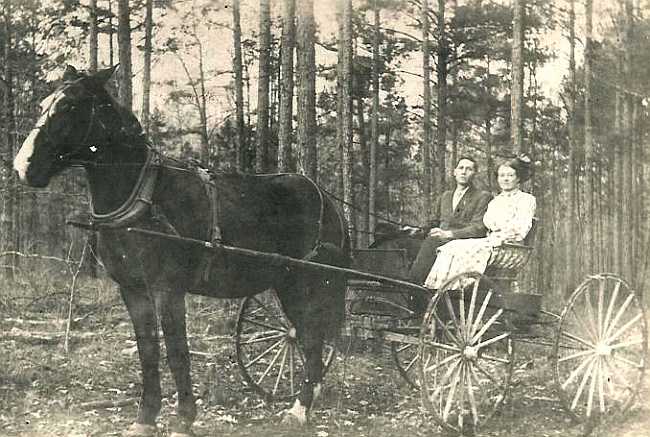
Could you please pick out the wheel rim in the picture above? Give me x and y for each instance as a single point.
(268, 353)
(467, 355)
(600, 349)
(405, 354)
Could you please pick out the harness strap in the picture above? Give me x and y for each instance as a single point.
(138, 203)
(214, 231)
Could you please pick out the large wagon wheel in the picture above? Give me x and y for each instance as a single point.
(600, 349)
(405, 353)
(268, 353)
(466, 354)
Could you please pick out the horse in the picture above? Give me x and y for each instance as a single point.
(131, 185)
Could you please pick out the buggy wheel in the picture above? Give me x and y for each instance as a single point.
(466, 354)
(269, 356)
(405, 353)
(600, 349)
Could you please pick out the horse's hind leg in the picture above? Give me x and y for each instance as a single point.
(172, 315)
(141, 308)
(308, 318)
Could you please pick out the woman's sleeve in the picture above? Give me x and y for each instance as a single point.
(489, 219)
(523, 219)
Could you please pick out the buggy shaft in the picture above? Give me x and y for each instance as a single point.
(282, 260)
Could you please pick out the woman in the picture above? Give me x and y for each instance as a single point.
(509, 217)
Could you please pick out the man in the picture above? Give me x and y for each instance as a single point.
(457, 214)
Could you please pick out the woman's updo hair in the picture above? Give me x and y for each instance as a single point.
(522, 165)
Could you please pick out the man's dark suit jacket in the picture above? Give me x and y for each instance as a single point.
(466, 221)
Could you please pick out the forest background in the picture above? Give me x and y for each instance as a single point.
(375, 100)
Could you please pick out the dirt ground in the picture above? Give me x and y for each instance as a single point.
(46, 392)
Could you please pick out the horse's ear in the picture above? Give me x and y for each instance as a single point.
(102, 76)
(70, 73)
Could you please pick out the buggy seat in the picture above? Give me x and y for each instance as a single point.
(507, 260)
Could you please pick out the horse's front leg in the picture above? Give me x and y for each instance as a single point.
(172, 315)
(141, 308)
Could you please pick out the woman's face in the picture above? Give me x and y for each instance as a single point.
(507, 178)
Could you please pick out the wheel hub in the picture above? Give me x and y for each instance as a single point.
(470, 353)
(603, 349)
(291, 333)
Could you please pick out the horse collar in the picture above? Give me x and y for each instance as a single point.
(138, 203)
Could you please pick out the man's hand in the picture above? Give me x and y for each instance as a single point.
(440, 233)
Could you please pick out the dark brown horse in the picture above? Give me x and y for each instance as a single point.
(130, 185)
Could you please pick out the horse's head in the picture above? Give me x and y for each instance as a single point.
(76, 121)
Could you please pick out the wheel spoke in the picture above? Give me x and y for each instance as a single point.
(461, 395)
(481, 312)
(486, 374)
(631, 342)
(268, 310)
(487, 325)
(271, 364)
(263, 354)
(470, 392)
(452, 392)
(601, 386)
(495, 359)
(583, 325)
(619, 314)
(591, 319)
(592, 387)
(451, 335)
(254, 340)
(441, 346)
(615, 374)
(610, 307)
(576, 355)
(264, 325)
(292, 363)
(470, 313)
(452, 313)
(583, 382)
(577, 371)
(625, 327)
(439, 364)
(281, 372)
(601, 296)
(445, 378)
(492, 340)
(579, 340)
(637, 366)
(461, 309)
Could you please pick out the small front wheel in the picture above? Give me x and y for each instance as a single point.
(268, 353)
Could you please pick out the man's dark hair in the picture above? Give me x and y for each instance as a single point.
(469, 158)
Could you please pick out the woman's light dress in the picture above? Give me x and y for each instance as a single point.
(509, 217)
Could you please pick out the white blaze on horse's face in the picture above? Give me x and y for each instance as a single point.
(21, 161)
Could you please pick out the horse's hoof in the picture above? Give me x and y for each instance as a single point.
(140, 430)
(296, 415)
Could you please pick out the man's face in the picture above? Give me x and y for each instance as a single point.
(464, 172)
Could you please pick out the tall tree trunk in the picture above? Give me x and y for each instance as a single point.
(426, 97)
(262, 130)
(441, 119)
(572, 228)
(12, 206)
(92, 36)
(517, 92)
(374, 126)
(590, 221)
(306, 79)
(365, 189)
(124, 47)
(241, 147)
(617, 176)
(146, 68)
(345, 116)
(285, 140)
(92, 67)
(111, 48)
(628, 129)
